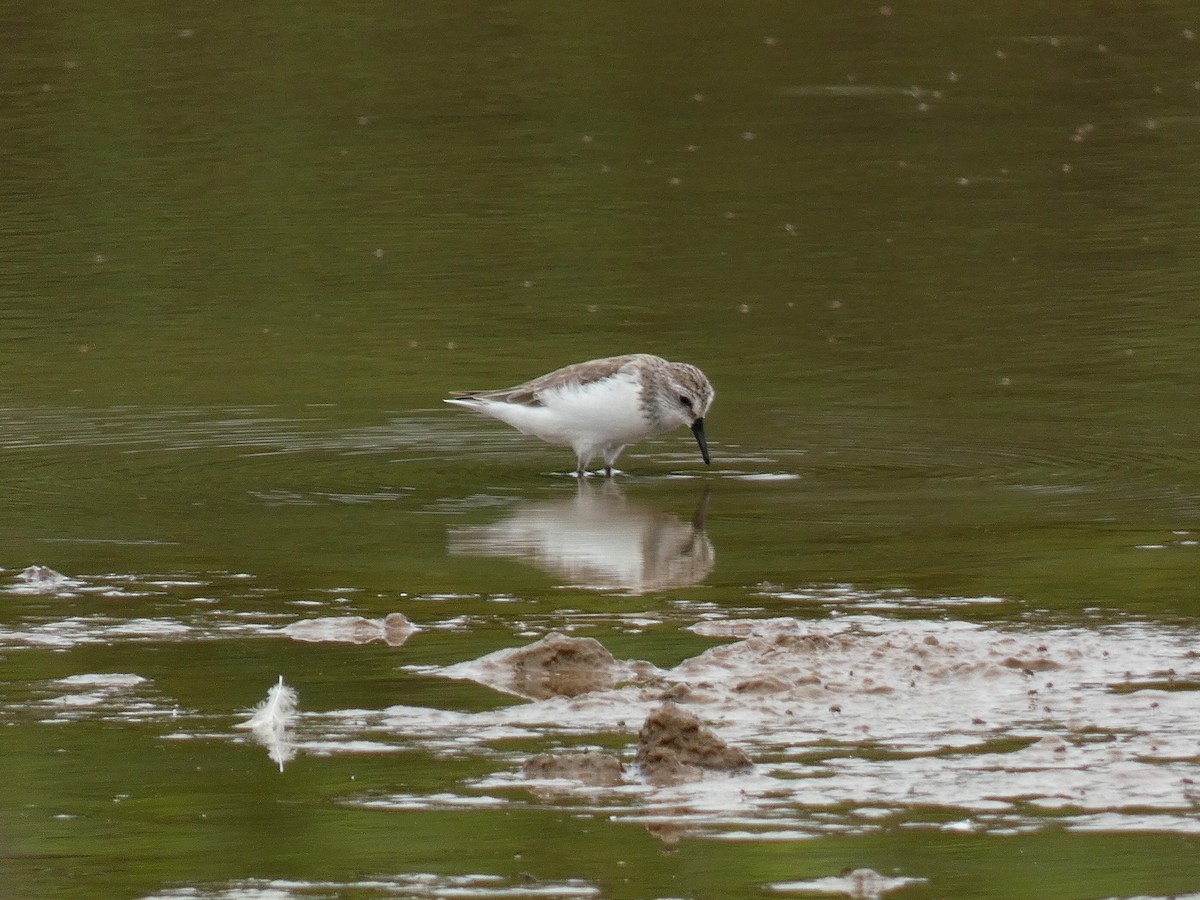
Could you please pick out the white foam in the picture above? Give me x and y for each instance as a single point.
(854, 721)
(41, 580)
(408, 884)
(107, 679)
(766, 476)
(863, 883)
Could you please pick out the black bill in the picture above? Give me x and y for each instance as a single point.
(698, 431)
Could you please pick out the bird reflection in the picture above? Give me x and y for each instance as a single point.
(598, 539)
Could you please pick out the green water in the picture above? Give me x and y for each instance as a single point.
(939, 262)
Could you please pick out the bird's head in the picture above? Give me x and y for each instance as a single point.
(688, 399)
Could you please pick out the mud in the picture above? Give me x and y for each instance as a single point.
(394, 629)
(589, 767)
(673, 747)
(41, 580)
(853, 723)
(555, 666)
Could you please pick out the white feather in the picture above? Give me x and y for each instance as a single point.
(276, 712)
(271, 719)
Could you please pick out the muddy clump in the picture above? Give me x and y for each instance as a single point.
(1030, 665)
(394, 629)
(41, 580)
(557, 666)
(674, 747)
(763, 684)
(590, 767)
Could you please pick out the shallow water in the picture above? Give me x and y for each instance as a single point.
(939, 582)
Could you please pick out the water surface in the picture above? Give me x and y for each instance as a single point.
(939, 265)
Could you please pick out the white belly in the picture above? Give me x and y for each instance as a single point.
(605, 413)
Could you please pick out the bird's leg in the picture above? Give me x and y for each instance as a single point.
(610, 459)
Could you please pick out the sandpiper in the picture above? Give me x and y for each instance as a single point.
(598, 407)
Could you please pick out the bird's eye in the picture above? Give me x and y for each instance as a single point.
(685, 400)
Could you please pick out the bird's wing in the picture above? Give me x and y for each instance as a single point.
(576, 375)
